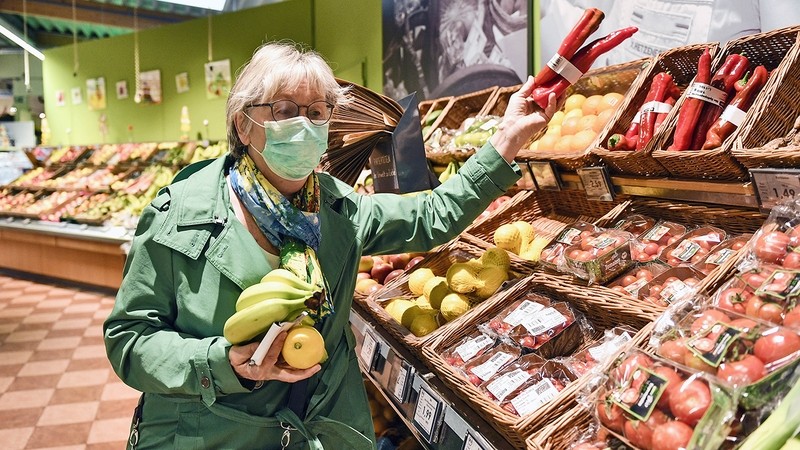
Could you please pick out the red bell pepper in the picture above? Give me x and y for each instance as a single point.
(743, 100)
(690, 111)
(588, 24)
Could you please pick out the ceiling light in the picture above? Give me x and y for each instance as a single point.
(19, 41)
(216, 5)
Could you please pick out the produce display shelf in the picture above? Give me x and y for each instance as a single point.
(111, 235)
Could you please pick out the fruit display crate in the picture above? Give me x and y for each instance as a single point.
(460, 109)
(768, 49)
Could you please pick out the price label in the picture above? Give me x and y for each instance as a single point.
(428, 413)
(369, 350)
(773, 186)
(545, 176)
(401, 384)
(472, 443)
(597, 183)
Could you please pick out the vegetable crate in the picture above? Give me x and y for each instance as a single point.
(566, 429)
(438, 262)
(571, 341)
(679, 62)
(768, 49)
(769, 137)
(426, 114)
(617, 78)
(461, 108)
(496, 106)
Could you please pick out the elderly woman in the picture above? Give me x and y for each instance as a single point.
(221, 225)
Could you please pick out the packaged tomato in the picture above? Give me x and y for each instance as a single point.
(552, 256)
(484, 367)
(472, 346)
(778, 240)
(671, 286)
(542, 387)
(598, 257)
(650, 244)
(599, 352)
(693, 246)
(649, 402)
(635, 224)
(632, 281)
(753, 356)
(550, 330)
(723, 252)
(512, 377)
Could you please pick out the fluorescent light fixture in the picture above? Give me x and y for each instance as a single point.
(216, 5)
(19, 41)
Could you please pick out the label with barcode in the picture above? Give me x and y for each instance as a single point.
(781, 284)
(508, 383)
(565, 68)
(640, 404)
(534, 397)
(685, 250)
(707, 93)
(636, 286)
(401, 383)
(568, 235)
(656, 233)
(492, 365)
(545, 320)
(471, 348)
(602, 241)
(677, 290)
(607, 349)
(521, 312)
(656, 107)
(719, 258)
(733, 115)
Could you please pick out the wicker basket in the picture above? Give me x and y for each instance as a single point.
(769, 136)
(617, 78)
(679, 62)
(496, 106)
(564, 430)
(769, 49)
(442, 104)
(460, 108)
(515, 428)
(439, 261)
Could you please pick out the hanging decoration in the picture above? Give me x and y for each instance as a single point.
(75, 63)
(137, 84)
(25, 61)
(210, 49)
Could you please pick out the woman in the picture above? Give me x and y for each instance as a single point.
(221, 226)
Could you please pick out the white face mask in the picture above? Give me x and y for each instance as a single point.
(293, 147)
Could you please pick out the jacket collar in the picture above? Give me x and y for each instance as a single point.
(215, 209)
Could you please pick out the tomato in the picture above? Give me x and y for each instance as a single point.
(694, 362)
(656, 289)
(640, 433)
(651, 249)
(743, 372)
(708, 318)
(743, 324)
(690, 401)
(674, 381)
(674, 350)
(674, 435)
(644, 273)
(691, 281)
(776, 346)
(733, 300)
(760, 309)
(574, 253)
(627, 280)
(584, 256)
(771, 247)
(626, 369)
(738, 245)
(753, 280)
(792, 318)
(792, 261)
(669, 239)
(794, 236)
(610, 415)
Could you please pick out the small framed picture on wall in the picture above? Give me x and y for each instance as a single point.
(61, 98)
(122, 90)
(76, 95)
(182, 82)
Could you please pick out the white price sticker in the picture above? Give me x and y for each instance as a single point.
(507, 383)
(547, 319)
(596, 183)
(401, 383)
(565, 68)
(608, 348)
(685, 250)
(368, 350)
(720, 257)
(655, 234)
(427, 413)
(471, 443)
(521, 312)
(534, 397)
(774, 186)
(656, 107)
(707, 93)
(733, 115)
(469, 349)
(490, 367)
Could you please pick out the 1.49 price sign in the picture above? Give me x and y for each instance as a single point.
(773, 186)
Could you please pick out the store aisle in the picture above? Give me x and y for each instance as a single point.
(57, 389)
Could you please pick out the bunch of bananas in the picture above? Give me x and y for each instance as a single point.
(452, 169)
(280, 296)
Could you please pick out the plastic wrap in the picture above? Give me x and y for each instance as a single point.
(599, 256)
(598, 354)
(468, 348)
(632, 281)
(552, 257)
(482, 368)
(512, 379)
(723, 252)
(778, 240)
(650, 244)
(635, 224)
(674, 285)
(543, 386)
(693, 246)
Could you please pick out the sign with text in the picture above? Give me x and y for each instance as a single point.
(773, 186)
(597, 183)
(545, 175)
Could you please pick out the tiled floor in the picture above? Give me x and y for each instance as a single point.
(57, 389)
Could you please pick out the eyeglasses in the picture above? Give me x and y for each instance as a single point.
(319, 112)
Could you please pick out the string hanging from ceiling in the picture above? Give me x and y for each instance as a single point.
(25, 61)
(75, 63)
(138, 82)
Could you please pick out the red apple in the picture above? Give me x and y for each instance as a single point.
(380, 270)
(365, 264)
(363, 286)
(392, 275)
(413, 262)
(399, 260)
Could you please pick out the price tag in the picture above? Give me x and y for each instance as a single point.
(775, 185)
(597, 183)
(369, 350)
(401, 384)
(545, 176)
(471, 443)
(428, 413)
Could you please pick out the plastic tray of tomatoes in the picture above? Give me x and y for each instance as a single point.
(650, 244)
(544, 385)
(599, 352)
(552, 256)
(723, 252)
(766, 292)
(652, 403)
(637, 277)
(468, 348)
(674, 285)
(600, 256)
(537, 325)
(778, 240)
(509, 380)
(484, 367)
(635, 224)
(693, 246)
(747, 354)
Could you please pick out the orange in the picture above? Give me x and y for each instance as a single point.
(570, 126)
(547, 142)
(592, 104)
(603, 118)
(564, 144)
(582, 140)
(587, 122)
(574, 101)
(555, 129)
(573, 113)
(534, 145)
(612, 100)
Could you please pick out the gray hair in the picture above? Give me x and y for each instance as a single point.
(277, 67)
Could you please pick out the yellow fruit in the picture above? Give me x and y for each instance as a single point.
(574, 113)
(304, 347)
(556, 120)
(564, 144)
(490, 280)
(418, 278)
(592, 105)
(587, 122)
(547, 142)
(611, 101)
(453, 306)
(462, 278)
(534, 250)
(508, 237)
(554, 130)
(574, 101)
(475, 263)
(496, 256)
(570, 126)
(582, 140)
(435, 290)
(423, 324)
(602, 119)
(526, 231)
(424, 304)
(397, 308)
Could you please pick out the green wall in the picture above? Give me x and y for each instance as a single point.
(342, 37)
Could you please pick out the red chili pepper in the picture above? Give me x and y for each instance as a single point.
(662, 116)
(690, 111)
(743, 100)
(724, 80)
(659, 88)
(582, 60)
(588, 24)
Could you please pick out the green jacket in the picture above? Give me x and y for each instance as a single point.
(190, 259)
